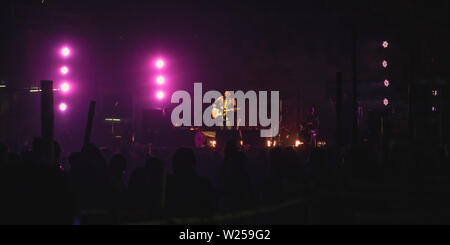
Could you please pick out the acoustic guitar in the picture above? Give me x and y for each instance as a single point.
(216, 112)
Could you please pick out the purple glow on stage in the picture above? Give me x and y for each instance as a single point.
(65, 51)
(160, 80)
(62, 107)
(64, 70)
(385, 64)
(385, 102)
(160, 95)
(65, 87)
(386, 83)
(159, 64)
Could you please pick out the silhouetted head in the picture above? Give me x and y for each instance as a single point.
(41, 153)
(3, 154)
(27, 157)
(238, 162)
(91, 150)
(106, 153)
(37, 146)
(230, 148)
(57, 150)
(3, 148)
(184, 162)
(118, 164)
(275, 155)
(75, 161)
(154, 164)
(276, 159)
(13, 159)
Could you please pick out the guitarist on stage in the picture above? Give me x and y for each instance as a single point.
(227, 104)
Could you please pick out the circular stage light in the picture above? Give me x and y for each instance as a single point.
(160, 95)
(159, 63)
(65, 51)
(62, 107)
(160, 80)
(64, 70)
(65, 87)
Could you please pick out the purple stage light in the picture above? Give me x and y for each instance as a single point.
(64, 70)
(385, 102)
(160, 95)
(385, 44)
(159, 64)
(160, 80)
(65, 87)
(385, 64)
(62, 107)
(386, 83)
(65, 51)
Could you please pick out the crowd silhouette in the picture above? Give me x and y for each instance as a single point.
(97, 186)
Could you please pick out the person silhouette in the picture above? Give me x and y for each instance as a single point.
(187, 193)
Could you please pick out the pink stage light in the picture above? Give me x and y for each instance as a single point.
(62, 107)
(385, 64)
(65, 87)
(159, 64)
(386, 83)
(385, 44)
(64, 70)
(65, 51)
(385, 102)
(160, 80)
(160, 95)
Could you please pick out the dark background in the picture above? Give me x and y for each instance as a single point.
(294, 47)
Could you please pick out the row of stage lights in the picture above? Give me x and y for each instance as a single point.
(273, 143)
(434, 107)
(160, 78)
(212, 143)
(65, 86)
(386, 81)
(64, 71)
